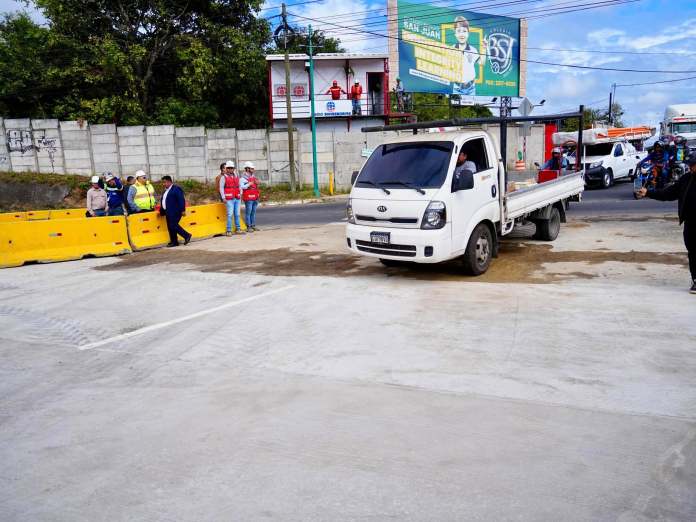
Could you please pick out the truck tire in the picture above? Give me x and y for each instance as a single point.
(548, 229)
(608, 179)
(479, 251)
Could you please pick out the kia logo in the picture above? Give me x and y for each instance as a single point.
(382, 208)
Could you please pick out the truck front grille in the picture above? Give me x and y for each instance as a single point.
(386, 250)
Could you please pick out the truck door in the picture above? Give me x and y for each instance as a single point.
(467, 204)
(621, 162)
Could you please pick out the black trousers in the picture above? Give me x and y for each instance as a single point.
(690, 242)
(175, 228)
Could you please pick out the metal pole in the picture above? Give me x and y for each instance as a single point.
(314, 122)
(288, 104)
(609, 113)
(579, 151)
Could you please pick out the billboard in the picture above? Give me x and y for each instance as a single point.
(451, 51)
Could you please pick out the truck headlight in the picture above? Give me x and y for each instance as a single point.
(349, 212)
(596, 164)
(435, 216)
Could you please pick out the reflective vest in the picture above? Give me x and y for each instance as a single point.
(144, 196)
(251, 193)
(231, 187)
(335, 93)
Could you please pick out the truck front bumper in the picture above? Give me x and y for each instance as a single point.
(595, 176)
(406, 244)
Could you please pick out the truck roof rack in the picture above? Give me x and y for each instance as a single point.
(502, 121)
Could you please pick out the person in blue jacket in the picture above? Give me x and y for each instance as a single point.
(556, 161)
(114, 195)
(172, 206)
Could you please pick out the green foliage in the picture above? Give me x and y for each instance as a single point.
(298, 43)
(430, 107)
(151, 61)
(596, 117)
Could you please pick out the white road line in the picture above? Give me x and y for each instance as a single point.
(159, 326)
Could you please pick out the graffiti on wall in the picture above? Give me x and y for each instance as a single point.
(26, 140)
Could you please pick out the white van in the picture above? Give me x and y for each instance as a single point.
(407, 204)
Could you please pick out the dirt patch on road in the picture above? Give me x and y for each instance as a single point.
(519, 262)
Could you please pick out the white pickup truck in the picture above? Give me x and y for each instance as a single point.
(607, 162)
(407, 204)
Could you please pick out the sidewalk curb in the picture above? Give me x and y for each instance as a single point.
(325, 199)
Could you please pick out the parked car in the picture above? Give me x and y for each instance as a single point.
(607, 162)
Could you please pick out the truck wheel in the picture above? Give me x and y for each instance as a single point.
(548, 229)
(479, 251)
(608, 179)
(392, 262)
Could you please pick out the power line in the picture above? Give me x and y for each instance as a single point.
(540, 62)
(289, 5)
(652, 83)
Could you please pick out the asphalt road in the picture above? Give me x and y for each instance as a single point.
(617, 200)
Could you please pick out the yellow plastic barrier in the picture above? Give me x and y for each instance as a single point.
(37, 214)
(61, 240)
(68, 213)
(9, 217)
(147, 230)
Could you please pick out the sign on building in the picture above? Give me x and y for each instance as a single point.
(333, 108)
(451, 51)
(297, 90)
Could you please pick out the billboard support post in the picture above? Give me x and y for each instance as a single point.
(288, 103)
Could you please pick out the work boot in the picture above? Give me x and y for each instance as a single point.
(228, 233)
(250, 229)
(693, 287)
(188, 239)
(254, 228)
(239, 231)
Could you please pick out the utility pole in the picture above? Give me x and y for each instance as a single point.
(611, 94)
(288, 103)
(314, 122)
(612, 101)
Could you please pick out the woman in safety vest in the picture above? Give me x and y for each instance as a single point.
(231, 194)
(141, 195)
(250, 195)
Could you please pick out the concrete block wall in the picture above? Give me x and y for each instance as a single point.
(191, 153)
(161, 151)
(20, 144)
(278, 154)
(105, 149)
(252, 145)
(48, 145)
(132, 149)
(196, 152)
(221, 146)
(4, 153)
(325, 157)
(77, 147)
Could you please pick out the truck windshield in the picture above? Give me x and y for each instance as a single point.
(418, 164)
(599, 149)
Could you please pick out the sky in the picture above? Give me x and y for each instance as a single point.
(625, 34)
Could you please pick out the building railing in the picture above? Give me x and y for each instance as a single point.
(326, 106)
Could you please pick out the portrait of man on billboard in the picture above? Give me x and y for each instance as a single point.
(471, 57)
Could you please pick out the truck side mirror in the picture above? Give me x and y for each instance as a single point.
(464, 180)
(353, 177)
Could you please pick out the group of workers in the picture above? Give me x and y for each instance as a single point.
(109, 196)
(356, 92)
(234, 189)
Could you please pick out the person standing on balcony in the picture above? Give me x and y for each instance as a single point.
(355, 94)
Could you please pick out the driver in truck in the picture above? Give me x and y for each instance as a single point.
(463, 163)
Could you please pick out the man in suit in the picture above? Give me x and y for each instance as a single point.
(172, 207)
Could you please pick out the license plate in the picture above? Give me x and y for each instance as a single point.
(381, 238)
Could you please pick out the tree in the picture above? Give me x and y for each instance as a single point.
(597, 117)
(186, 62)
(430, 107)
(298, 43)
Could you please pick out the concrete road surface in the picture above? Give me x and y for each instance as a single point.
(275, 376)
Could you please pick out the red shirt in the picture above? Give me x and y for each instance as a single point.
(355, 91)
(335, 92)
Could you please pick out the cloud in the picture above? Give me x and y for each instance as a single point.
(610, 37)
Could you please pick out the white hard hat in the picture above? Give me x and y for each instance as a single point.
(556, 149)
(140, 174)
(249, 165)
(109, 176)
(95, 179)
(229, 163)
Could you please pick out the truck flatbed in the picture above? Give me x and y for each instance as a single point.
(529, 199)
